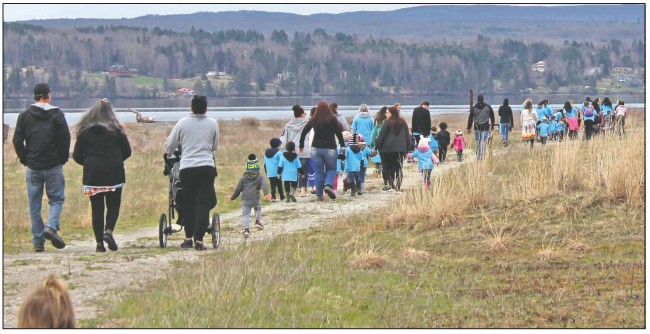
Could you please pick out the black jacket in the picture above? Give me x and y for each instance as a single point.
(42, 137)
(481, 114)
(389, 141)
(323, 134)
(421, 121)
(505, 114)
(443, 138)
(102, 153)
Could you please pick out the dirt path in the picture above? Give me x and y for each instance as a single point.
(139, 259)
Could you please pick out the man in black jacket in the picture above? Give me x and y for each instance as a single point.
(483, 117)
(42, 143)
(421, 122)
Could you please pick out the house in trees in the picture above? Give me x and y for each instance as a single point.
(122, 71)
(539, 66)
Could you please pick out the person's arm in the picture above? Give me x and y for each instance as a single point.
(238, 189)
(63, 138)
(379, 141)
(491, 116)
(172, 140)
(299, 166)
(305, 131)
(19, 140)
(339, 135)
(215, 140)
(280, 167)
(125, 146)
(79, 152)
(512, 118)
(470, 120)
(265, 188)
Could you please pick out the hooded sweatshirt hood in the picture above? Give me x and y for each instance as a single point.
(364, 114)
(479, 105)
(298, 123)
(270, 152)
(42, 110)
(252, 175)
(290, 156)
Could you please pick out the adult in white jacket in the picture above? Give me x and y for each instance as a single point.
(292, 132)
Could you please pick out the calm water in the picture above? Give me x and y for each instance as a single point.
(172, 109)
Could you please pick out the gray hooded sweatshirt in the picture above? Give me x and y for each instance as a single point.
(249, 186)
(292, 132)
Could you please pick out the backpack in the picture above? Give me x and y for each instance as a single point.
(589, 112)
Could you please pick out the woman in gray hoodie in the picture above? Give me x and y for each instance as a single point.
(198, 137)
(292, 132)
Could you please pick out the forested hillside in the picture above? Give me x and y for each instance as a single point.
(323, 61)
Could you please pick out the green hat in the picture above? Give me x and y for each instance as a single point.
(252, 164)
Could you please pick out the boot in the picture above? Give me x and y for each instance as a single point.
(292, 193)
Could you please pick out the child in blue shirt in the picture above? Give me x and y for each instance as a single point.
(271, 160)
(425, 161)
(552, 128)
(433, 142)
(543, 130)
(289, 168)
(365, 153)
(353, 162)
(561, 126)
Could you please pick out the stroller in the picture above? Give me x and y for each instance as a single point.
(172, 169)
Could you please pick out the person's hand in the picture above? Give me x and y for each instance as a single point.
(300, 149)
(228, 197)
(268, 197)
(469, 131)
(341, 156)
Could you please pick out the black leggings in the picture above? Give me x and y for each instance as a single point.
(290, 184)
(276, 183)
(199, 199)
(392, 168)
(113, 201)
(443, 153)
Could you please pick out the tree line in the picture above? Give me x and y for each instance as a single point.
(303, 63)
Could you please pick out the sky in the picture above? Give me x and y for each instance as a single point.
(20, 12)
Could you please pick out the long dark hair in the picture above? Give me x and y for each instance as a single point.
(395, 121)
(323, 114)
(505, 102)
(380, 116)
(334, 108)
(595, 104)
(567, 106)
(100, 114)
(607, 102)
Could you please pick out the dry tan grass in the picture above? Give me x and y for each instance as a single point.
(413, 254)
(369, 260)
(577, 246)
(501, 235)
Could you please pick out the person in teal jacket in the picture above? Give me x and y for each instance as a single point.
(353, 163)
(363, 123)
(433, 142)
(552, 128)
(425, 161)
(289, 168)
(271, 160)
(365, 153)
(543, 130)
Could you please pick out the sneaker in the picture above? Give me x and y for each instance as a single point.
(293, 198)
(39, 248)
(247, 233)
(288, 200)
(330, 193)
(282, 198)
(100, 248)
(359, 193)
(319, 198)
(187, 244)
(259, 226)
(108, 237)
(51, 235)
(353, 193)
(386, 188)
(199, 246)
(273, 199)
(313, 191)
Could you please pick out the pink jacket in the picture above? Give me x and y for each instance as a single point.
(573, 123)
(459, 143)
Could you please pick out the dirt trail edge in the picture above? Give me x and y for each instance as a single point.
(139, 258)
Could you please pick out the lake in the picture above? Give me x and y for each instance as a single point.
(172, 109)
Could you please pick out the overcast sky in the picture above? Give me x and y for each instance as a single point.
(20, 12)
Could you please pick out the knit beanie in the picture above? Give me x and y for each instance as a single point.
(275, 142)
(252, 164)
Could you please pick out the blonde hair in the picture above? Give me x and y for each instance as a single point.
(48, 306)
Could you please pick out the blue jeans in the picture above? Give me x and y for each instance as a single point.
(504, 128)
(325, 165)
(54, 183)
(303, 178)
(481, 145)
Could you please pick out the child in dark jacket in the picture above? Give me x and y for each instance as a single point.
(249, 187)
(444, 138)
(271, 161)
(289, 168)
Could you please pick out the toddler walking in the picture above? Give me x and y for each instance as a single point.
(353, 164)
(289, 168)
(249, 186)
(426, 160)
(459, 144)
(271, 161)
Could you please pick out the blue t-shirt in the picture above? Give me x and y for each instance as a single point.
(272, 164)
(606, 110)
(289, 168)
(552, 126)
(572, 113)
(543, 129)
(433, 143)
(363, 125)
(560, 126)
(364, 155)
(352, 160)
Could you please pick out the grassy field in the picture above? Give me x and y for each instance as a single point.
(550, 238)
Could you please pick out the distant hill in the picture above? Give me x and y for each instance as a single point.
(431, 22)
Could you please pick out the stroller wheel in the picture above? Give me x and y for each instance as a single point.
(215, 230)
(162, 233)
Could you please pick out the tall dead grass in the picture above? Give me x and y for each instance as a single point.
(609, 167)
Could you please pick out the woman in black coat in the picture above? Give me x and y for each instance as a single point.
(102, 147)
(393, 142)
